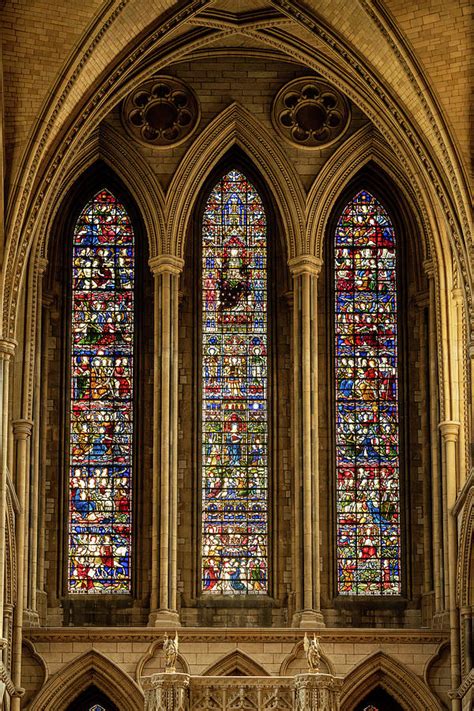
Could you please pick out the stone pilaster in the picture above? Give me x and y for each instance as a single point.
(22, 430)
(305, 270)
(166, 692)
(450, 435)
(317, 692)
(436, 488)
(7, 350)
(163, 609)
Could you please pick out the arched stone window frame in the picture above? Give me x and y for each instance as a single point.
(97, 177)
(237, 159)
(375, 181)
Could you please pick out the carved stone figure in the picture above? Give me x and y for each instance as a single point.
(170, 649)
(312, 650)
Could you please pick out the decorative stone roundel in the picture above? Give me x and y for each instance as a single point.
(310, 113)
(162, 111)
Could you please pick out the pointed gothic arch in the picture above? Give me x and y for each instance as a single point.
(109, 147)
(236, 663)
(381, 670)
(235, 126)
(364, 148)
(327, 666)
(90, 668)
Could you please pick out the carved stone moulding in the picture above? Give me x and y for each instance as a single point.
(310, 113)
(161, 112)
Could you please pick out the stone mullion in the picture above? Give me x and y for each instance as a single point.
(22, 430)
(166, 270)
(7, 349)
(305, 271)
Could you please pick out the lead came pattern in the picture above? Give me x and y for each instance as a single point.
(101, 418)
(367, 420)
(234, 392)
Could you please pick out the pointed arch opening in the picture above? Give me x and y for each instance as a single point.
(367, 429)
(92, 699)
(93, 677)
(101, 415)
(97, 304)
(234, 392)
(378, 700)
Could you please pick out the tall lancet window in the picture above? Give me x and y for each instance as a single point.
(367, 415)
(234, 420)
(101, 411)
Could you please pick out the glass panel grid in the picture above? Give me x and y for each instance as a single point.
(367, 416)
(101, 417)
(234, 390)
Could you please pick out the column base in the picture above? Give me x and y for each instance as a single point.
(166, 692)
(308, 619)
(164, 619)
(31, 618)
(441, 620)
(314, 692)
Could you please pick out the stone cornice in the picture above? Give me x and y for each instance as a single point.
(234, 635)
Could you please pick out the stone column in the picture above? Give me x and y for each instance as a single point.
(22, 433)
(36, 450)
(466, 621)
(450, 433)
(47, 303)
(7, 350)
(422, 302)
(305, 270)
(163, 609)
(460, 382)
(166, 692)
(7, 631)
(436, 491)
(317, 692)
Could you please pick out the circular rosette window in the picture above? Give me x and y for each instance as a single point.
(162, 111)
(310, 113)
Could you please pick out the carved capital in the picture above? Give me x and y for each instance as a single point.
(317, 691)
(305, 264)
(458, 295)
(166, 692)
(429, 267)
(22, 429)
(449, 430)
(42, 265)
(166, 263)
(7, 348)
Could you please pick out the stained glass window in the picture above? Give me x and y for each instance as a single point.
(101, 414)
(367, 419)
(234, 389)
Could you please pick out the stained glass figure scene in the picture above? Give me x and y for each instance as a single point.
(234, 390)
(101, 417)
(367, 419)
